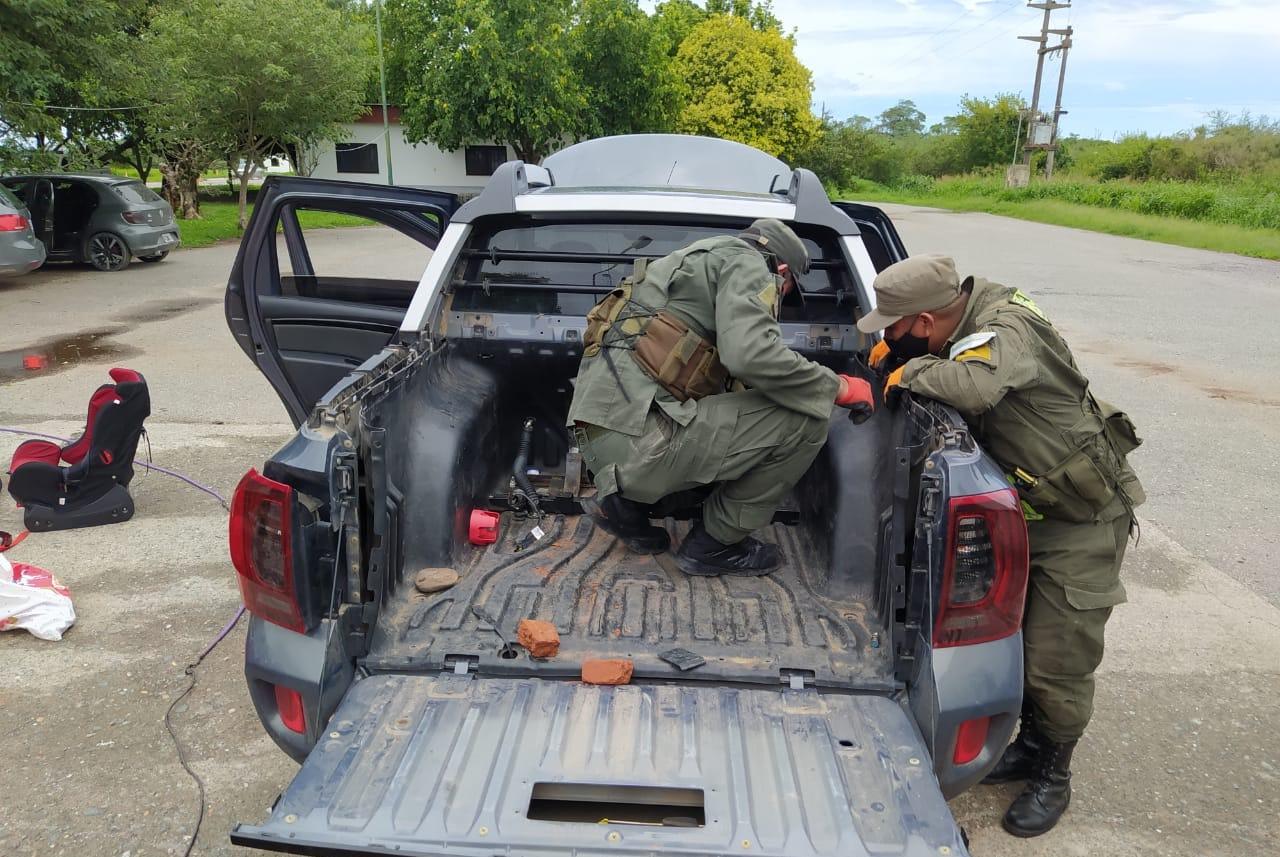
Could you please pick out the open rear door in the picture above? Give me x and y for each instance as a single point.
(459, 765)
(878, 233)
(308, 303)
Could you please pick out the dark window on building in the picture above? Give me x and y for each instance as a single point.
(484, 160)
(357, 157)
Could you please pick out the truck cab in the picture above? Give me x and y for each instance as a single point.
(839, 701)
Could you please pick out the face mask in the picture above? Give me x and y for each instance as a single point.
(908, 346)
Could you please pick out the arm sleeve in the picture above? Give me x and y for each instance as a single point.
(750, 340)
(975, 381)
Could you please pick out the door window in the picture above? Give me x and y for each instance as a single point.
(374, 259)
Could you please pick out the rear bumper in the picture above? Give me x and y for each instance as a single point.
(20, 255)
(275, 656)
(149, 240)
(983, 680)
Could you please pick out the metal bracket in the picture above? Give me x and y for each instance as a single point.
(461, 664)
(797, 679)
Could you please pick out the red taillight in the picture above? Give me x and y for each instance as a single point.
(289, 704)
(261, 533)
(970, 739)
(13, 223)
(134, 217)
(984, 583)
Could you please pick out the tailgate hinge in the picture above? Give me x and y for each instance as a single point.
(797, 679)
(461, 664)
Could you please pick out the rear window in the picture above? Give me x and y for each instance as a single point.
(530, 284)
(135, 192)
(7, 198)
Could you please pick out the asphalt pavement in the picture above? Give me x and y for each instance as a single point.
(1181, 759)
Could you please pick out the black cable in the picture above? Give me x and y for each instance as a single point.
(190, 672)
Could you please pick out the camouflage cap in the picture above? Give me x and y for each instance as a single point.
(919, 284)
(774, 236)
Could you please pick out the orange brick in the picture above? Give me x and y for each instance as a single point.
(540, 638)
(617, 671)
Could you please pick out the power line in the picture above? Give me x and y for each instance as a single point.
(930, 37)
(85, 109)
(981, 24)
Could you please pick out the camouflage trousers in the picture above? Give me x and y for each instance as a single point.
(752, 450)
(1073, 585)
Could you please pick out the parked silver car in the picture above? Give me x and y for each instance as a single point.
(99, 218)
(20, 250)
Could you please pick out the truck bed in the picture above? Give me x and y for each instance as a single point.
(607, 602)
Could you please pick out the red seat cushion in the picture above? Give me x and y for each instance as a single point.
(35, 450)
(79, 448)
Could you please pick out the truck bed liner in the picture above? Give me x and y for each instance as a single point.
(608, 602)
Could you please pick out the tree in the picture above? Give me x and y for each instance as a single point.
(758, 14)
(479, 70)
(621, 59)
(60, 65)
(985, 129)
(903, 119)
(746, 85)
(675, 19)
(844, 152)
(243, 78)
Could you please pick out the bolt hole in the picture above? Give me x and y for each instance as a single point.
(845, 742)
(509, 652)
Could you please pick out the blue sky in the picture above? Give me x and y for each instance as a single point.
(1155, 66)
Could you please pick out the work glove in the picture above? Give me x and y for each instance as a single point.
(879, 354)
(855, 394)
(893, 386)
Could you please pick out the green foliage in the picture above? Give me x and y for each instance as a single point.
(747, 85)
(1252, 204)
(985, 130)
(675, 19)
(903, 119)
(479, 70)
(55, 54)
(245, 77)
(1228, 149)
(621, 59)
(844, 152)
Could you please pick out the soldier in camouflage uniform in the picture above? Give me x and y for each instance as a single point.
(988, 351)
(725, 402)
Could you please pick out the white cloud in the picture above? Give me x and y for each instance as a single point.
(1215, 51)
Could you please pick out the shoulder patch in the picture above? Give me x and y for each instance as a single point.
(973, 342)
(1020, 298)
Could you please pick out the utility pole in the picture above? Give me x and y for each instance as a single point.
(1042, 134)
(382, 84)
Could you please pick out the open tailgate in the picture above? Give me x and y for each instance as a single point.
(458, 765)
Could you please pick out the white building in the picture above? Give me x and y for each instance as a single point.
(360, 155)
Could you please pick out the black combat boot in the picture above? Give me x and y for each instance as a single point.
(703, 556)
(629, 521)
(1046, 796)
(1020, 757)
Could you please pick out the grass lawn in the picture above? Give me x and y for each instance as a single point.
(1227, 238)
(219, 223)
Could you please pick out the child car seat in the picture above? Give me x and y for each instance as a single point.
(91, 489)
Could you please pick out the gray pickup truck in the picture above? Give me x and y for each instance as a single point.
(840, 700)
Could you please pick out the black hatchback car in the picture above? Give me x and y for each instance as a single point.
(98, 218)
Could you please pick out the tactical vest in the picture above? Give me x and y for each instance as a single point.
(682, 361)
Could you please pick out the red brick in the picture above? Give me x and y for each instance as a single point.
(540, 638)
(617, 671)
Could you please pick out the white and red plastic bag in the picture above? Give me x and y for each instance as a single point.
(32, 598)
